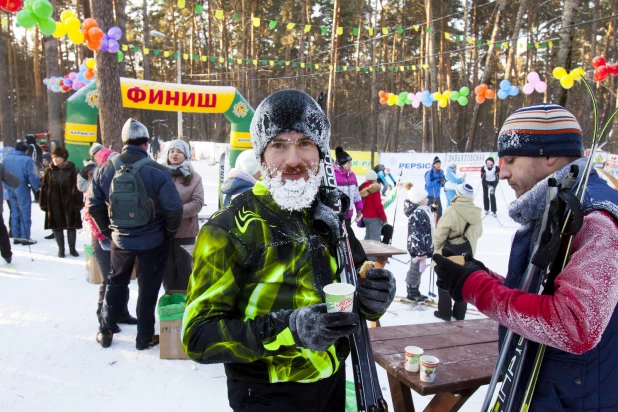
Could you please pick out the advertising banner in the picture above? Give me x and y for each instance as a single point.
(411, 164)
(470, 163)
(361, 161)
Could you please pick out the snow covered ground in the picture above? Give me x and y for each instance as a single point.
(49, 359)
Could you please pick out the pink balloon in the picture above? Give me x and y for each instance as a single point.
(72, 75)
(528, 88)
(540, 87)
(416, 103)
(533, 77)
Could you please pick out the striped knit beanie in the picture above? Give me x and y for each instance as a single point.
(542, 129)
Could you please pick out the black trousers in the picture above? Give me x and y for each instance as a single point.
(458, 309)
(149, 277)
(489, 197)
(179, 265)
(326, 395)
(431, 200)
(5, 242)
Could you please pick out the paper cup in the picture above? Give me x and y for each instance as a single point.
(413, 358)
(429, 364)
(339, 297)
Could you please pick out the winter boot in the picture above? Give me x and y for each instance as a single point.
(71, 237)
(415, 295)
(28, 242)
(59, 234)
(146, 344)
(17, 241)
(105, 338)
(50, 236)
(127, 319)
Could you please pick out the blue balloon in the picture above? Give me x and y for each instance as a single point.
(502, 94)
(433, 97)
(505, 85)
(513, 90)
(426, 100)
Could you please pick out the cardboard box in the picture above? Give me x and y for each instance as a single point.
(170, 343)
(93, 273)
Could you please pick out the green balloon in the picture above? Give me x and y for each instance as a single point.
(26, 18)
(454, 95)
(47, 26)
(43, 9)
(28, 4)
(463, 100)
(120, 56)
(464, 91)
(403, 96)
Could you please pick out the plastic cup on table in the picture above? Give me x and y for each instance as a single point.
(339, 297)
(413, 358)
(429, 364)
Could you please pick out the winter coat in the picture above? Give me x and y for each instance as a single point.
(192, 197)
(254, 265)
(578, 323)
(60, 199)
(167, 215)
(347, 183)
(419, 229)
(8, 179)
(483, 172)
(34, 150)
(372, 202)
(24, 168)
(452, 180)
(238, 182)
(453, 223)
(434, 181)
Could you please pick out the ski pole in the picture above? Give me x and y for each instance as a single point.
(396, 205)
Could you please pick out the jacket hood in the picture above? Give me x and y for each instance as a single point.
(102, 155)
(237, 179)
(367, 190)
(465, 207)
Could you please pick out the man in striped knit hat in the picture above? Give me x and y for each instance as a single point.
(579, 321)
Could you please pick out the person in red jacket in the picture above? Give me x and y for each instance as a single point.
(373, 211)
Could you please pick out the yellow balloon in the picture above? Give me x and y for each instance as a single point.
(438, 96)
(65, 15)
(559, 72)
(447, 94)
(443, 102)
(76, 36)
(575, 74)
(90, 63)
(61, 30)
(72, 24)
(566, 82)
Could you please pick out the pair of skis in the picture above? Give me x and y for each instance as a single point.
(368, 391)
(562, 219)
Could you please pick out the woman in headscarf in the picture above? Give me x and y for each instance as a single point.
(189, 185)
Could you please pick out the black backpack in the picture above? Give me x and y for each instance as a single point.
(129, 205)
(461, 248)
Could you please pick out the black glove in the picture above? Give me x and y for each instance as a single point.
(317, 330)
(377, 291)
(452, 276)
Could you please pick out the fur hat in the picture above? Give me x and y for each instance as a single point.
(465, 189)
(21, 146)
(342, 156)
(95, 148)
(289, 111)
(135, 133)
(417, 194)
(542, 129)
(247, 162)
(371, 175)
(60, 152)
(182, 146)
(436, 160)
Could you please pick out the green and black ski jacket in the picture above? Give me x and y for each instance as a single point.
(253, 265)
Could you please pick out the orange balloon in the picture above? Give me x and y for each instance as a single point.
(95, 34)
(479, 90)
(479, 99)
(89, 23)
(382, 93)
(490, 94)
(86, 35)
(89, 74)
(383, 100)
(93, 45)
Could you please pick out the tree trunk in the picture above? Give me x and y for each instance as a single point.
(374, 95)
(334, 44)
(55, 124)
(300, 80)
(487, 75)
(433, 67)
(565, 50)
(121, 22)
(7, 119)
(108, 82)
(36, 66)
(253, 72)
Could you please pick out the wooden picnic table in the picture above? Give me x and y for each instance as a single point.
(380, 251)
(467, 349)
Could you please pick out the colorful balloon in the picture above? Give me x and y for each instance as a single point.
(47, 26)
(11, 6)
(26, 18)
(43, 9)
(114, 33)
(598, 61)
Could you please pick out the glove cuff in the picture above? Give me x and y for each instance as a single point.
(292, 324)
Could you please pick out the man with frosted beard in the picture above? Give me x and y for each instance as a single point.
(255, 299)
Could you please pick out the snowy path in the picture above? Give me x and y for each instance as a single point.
(50, 361)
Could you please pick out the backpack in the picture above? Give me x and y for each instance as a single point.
(462, 248)
(129, 204)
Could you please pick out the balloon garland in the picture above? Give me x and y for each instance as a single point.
(602, 69)
(534, 84)
(37, 13)
(567, 80)
(483, 92)
(73, 81)
(461, 96)
(506, 90)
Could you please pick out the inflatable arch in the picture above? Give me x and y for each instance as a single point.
(82, 110)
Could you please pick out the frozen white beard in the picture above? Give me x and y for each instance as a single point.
(294, 195)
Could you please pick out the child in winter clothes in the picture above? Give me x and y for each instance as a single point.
(420, 246)
(242, 177)
(451, 183)
(373, 210)
(347, 183)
